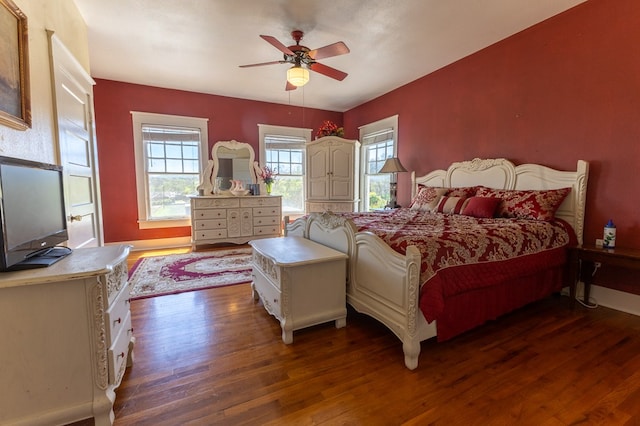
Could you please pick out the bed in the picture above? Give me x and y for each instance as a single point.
(422, 287)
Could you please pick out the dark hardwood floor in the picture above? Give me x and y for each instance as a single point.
(216, 357)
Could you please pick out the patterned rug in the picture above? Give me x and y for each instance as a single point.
(177, 273)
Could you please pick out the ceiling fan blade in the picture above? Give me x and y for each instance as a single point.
(328, 71)
(275, 43)
(335, 49)
(261, 64)
(290, 86)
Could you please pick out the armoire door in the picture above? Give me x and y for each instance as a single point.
(318, 172)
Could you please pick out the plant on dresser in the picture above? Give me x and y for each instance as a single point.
(222, 219)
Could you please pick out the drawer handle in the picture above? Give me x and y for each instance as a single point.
(120, 355)
(118, 321)
(130, 330)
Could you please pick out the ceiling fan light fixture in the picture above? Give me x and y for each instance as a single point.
(298, 76)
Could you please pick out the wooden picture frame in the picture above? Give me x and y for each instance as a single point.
(15, 97)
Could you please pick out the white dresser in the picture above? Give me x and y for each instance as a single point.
(333, 175)
(65, 338)
(300, 282)
(226, 219)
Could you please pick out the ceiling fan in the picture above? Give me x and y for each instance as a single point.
(304, 59)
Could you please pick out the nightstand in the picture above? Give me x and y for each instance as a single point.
(584, 258)
(300, 282)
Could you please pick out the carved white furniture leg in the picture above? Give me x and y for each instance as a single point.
(300, 282)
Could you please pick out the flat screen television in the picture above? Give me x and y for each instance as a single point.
(32, 214)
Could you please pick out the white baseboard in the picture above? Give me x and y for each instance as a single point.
(160, 243)
(610, 298)
(615, 299)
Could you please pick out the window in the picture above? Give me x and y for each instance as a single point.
(170, 155)
(378, 143)
(283, 150)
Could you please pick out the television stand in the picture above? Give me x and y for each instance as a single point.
(42, 258)
(66, 338)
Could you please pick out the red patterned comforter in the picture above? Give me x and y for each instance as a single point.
(446, 241)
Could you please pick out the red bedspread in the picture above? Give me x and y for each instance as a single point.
(502, 249)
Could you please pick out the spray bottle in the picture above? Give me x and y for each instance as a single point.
(609, 235)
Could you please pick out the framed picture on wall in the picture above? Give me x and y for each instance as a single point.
(15, 100)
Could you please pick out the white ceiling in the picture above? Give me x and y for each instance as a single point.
(197, 45)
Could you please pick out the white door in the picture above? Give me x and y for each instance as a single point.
(73, 93)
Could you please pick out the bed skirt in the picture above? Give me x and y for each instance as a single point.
(467, 310)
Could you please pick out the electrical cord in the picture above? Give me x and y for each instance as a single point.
(593, 303)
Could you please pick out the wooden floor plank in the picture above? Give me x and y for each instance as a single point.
(216, 357)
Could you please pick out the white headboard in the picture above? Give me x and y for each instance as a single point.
(501, 173)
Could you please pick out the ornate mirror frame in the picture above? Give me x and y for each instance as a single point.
(208, 186)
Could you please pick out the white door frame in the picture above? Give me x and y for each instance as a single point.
(76, 146)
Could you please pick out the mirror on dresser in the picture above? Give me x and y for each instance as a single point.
(232, 160)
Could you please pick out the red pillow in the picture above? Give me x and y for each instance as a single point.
(523, 204)
(463, 191)
(484, 207)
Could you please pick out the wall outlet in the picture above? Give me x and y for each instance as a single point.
(599, 242)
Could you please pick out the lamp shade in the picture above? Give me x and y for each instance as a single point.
(298, 76)
(392, 165)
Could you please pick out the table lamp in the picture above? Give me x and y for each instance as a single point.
(393, 166)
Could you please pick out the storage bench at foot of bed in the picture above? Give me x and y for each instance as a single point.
(299, 282)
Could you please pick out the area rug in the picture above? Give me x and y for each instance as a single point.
(177, 273)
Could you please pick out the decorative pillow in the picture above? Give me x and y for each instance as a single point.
(484, 207)
(465, 191)
(451, 205)
(522, 204)
(427, 198)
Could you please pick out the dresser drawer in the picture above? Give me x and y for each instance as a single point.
(210, 234)
(266, 230)
(119, 351)
(210, 214)
(213, 202)
(261, 201)
(266, 211)
(271, 297)
(266, 221)
(210, 224)
(116, 314)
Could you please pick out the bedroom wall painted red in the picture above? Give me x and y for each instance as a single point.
(229, 118)
(565, 89)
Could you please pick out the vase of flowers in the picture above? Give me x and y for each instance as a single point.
(329, 128)
(268, 176)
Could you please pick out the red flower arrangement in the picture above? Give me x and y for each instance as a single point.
(329, 128)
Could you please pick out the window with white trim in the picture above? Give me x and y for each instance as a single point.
(379, 142)
(283, 150)
(171, 153)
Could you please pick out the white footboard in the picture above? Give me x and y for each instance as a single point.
(381, 283)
